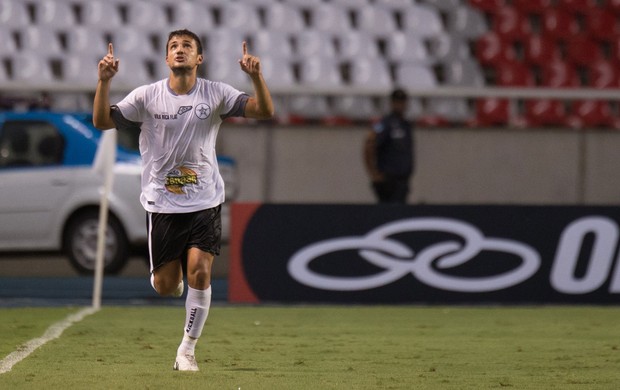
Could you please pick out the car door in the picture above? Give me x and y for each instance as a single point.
(33, 184)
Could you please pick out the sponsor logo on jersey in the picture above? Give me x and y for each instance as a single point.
(183, 109)
(178, 178)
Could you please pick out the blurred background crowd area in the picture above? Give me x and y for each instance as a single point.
(524, 63)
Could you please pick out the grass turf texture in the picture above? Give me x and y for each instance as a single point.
(322, 347)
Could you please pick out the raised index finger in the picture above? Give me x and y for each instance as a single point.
(110, 49)
(245, 48)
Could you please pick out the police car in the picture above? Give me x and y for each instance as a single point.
(50, 190)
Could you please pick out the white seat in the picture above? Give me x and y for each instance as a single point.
(146, 15)
(100, 13)
(397, 5)
(81, 71)
(55, 13)
(415, 77)
(267, 42)
(227, 70)
(224, 43)
(192, 15)
(13, 13)
(320, 72)
(43, 40)
(352, 45)
(371, 74)
(447, 48)
(133, 72)
(442, 5)
(465, 73)
(239, 17)
(128, 42)
(8, 42)
(283, 18)
(86, 41)
(376, 20)
(354, 107)
(309, 43)
(422, 21)
(407, 48)
(466, 22)
(452, 109)
(309, 106)
(330, 18)
(31, 68)
(278, 73)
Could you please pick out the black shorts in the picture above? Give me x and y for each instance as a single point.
(171, 235)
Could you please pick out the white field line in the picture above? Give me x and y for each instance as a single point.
(53, 332)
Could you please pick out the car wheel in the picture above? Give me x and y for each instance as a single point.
(80, 243)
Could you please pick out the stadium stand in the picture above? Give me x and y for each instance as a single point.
(337, 59)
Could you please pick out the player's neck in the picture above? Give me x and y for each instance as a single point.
(181, 84)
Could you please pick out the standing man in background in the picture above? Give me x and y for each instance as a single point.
(178, 119)
(388, 152)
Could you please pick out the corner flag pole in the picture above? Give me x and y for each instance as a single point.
(103, 166)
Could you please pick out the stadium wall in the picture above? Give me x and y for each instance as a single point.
(322, 164)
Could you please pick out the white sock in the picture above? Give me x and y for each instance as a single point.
(197, 306)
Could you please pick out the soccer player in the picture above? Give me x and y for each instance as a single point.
(178, 119)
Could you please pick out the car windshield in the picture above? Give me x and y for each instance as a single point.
(126, 139)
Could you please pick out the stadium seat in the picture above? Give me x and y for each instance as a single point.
(489, 6)
(544, 112)
(466, 23)
(272, 43)
(39, 39)
(559, 74)
(278, 72)
(591, 113)
(602, 25)
(465, 73)
(80, 71)
(577, 6)
(129, 44)
(302, 108)
(559, 24)
(14, 14)
(532, 6)
(372, 74)
(492, 50)
(603, 74)
(55, 13)
(447, 48)
(320, 72)
(352, 45)
(453, 110)
(31, 69)
(514, 74)
(283, 18)
(540, 50)
(239, 17)
(407, 48)
(309, 43)
(100, 14)
(415, 77)
(583, 51)
(351, 108)
(511, 24)
(422, 21)
(330, 18)
(86, 41)
(613, 6)
(440, 5)
(194, 16)
(394, 5)
(491, 112)
(376, 20)
(145, 15)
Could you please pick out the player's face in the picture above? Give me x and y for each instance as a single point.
(183, 53)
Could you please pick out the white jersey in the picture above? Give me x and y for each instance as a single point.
(177, 142)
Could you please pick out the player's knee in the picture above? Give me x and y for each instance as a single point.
(200, 278)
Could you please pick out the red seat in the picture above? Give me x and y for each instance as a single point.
(577, 6)
(545, 112)
(602, 25)
(591, 113)
(613, 6)
(539, 50)
(559, 74)
(491, 112)
(583, 51)
(490, 49)
(511, 25)
(532, 6)
(603, 74)
(514, 74)
(559, 24)
(490, 6)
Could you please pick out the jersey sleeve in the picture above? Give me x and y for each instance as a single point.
(132, 106)
(233, 101)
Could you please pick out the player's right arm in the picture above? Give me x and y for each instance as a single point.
(107, 68)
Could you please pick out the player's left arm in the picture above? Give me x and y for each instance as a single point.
(259, 106)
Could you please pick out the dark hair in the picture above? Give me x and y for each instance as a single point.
(177, 33)
(398, 95)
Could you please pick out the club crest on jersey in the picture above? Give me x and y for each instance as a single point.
(183, 109)
(178, 178)
(202, 111)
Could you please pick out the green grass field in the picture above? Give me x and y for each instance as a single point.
(321, 347)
